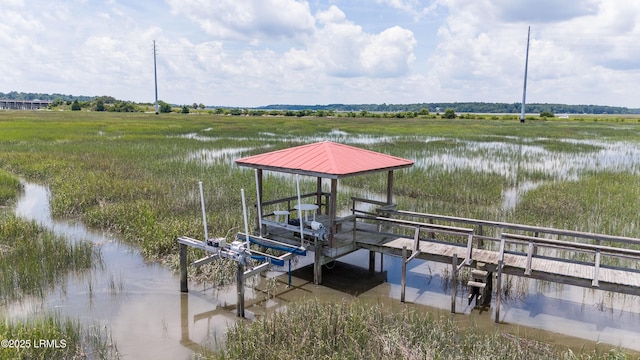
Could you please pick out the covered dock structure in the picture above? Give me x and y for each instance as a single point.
(329, 235)
(489, 248)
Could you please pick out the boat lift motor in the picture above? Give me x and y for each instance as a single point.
(236, 251)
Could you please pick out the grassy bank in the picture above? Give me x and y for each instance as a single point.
(356, 330)
(9, 187)
(33, 260)
(50, 336)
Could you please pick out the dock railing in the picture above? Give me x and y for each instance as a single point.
(483, 229)
(491, 231)
(595, 253)
(288, 203)
(590, 260)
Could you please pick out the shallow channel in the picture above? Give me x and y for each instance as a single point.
(139, 302)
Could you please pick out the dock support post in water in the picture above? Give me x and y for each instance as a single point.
(454, 283)
(183, 268)
(240, 285)
(317, 263)
(372, 261)
(403, 281)
(498, 290)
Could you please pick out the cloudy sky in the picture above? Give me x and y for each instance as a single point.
(260, 52)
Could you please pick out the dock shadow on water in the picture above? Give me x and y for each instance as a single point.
(344, 277)
(149, 318)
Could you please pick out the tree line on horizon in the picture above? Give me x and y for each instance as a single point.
(463, 107)
(109, 103)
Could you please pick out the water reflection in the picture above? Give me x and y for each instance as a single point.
(140, 302)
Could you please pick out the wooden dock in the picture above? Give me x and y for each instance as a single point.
(604, 262)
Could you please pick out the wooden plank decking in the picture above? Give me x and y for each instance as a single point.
(367, 236)
(622, 280)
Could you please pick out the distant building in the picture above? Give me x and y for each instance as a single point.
(24, 104)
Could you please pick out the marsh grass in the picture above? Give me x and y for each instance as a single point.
(9, 188)
(130, 174)
(601, 202)
(67, 339)
(33, 260)
(357, 330)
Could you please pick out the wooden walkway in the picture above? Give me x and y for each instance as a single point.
(610, 279)
(589, 260)
(579, 262)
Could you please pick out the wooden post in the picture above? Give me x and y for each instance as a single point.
(259, 199)
(454, 283)
(319, 195)
(240, 287)
(317, 263)
(183, 268)
(332, 212)
(403, 281)
(498, 290)
(390, 187)
(372, 261)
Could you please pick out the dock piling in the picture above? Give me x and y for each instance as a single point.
(498, 290)
(183, 268)
(240, 287)
(454, 283)
(317, 262)
(403, 284)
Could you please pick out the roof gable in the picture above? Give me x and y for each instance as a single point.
(325, 159)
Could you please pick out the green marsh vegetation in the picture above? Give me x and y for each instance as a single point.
(137, 174)
(9, 188)
(358, 330)
(50, 336)
(32, 261)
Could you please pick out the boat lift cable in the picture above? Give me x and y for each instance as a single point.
(204, 213)
(246, 222)
(300, 210)
(258, 203)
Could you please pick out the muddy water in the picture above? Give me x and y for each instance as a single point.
(149, 318)
(140, 302)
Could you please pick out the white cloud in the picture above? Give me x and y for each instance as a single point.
(574, 46)
(544, 11)
(257, 52)
(248, 20)
(343, 49)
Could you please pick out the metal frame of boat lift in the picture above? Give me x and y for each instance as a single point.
(240, 249)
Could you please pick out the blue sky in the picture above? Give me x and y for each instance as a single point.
(260, 52)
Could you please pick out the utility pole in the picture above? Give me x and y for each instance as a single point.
(526, 66)
(155, 74)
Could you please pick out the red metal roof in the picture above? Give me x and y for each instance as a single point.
(325, 159)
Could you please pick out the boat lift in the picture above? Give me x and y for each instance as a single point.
(241, 252)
